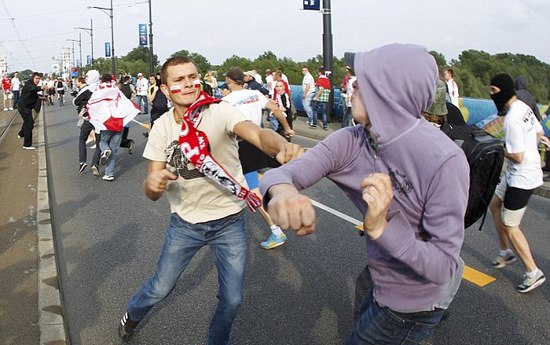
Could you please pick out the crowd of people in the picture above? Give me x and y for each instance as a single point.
(207, 141)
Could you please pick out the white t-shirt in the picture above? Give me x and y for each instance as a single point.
(194, 197)
(349, 91)
(453, 91)
(141, 86)
(308, 80)
(270, 83)
(521, 128)
(15, 84)
(250, 102)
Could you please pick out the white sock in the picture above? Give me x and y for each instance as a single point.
(506, 252)
(532, 273)
(276, 230)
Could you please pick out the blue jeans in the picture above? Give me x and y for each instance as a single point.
(306, 102)
(378, 325)
(346, 119)
(143, 99)
(183, 240)
(110, 140)
(319, 108)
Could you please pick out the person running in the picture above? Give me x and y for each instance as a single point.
(81, 101)
(523, 133)
(194, 161)
(251, 103)
(27, 102)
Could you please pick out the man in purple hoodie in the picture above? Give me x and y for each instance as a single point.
(408, 180)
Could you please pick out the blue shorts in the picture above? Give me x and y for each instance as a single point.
(252, 179)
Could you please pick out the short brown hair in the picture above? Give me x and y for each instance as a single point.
(174, 61)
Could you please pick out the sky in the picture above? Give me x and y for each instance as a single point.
(33, 31)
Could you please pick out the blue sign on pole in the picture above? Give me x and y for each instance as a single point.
(143, 34)
(107, 49)
(313, 5)
(88, 60)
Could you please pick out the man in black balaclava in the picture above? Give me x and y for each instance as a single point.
(522, 134)
(506, 85)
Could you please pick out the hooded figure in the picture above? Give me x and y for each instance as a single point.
(520, 84)
(414, 260)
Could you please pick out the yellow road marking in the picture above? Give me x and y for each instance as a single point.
(470, 274)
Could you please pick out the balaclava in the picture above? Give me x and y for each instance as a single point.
(506, 85)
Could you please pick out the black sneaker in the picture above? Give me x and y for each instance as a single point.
(126, 327)
(131, 146)
(105, 156)
(82, 167)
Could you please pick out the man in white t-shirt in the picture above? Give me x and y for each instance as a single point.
(142, 84)
(251, 103)
(522, 134)
(308, 91)
(451, 86)
(203, 212)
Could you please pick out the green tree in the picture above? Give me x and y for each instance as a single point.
(200, 61)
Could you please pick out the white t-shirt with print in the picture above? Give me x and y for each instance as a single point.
(250, 102)
(521, 128)
(196, 198)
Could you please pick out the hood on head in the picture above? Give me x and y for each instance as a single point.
(92, 79)
(520, 83)
(397, 82)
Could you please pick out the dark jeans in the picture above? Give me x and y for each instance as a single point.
(381, 325)
(15, 98)
(28, 125)
(125, 142)
(319, 108)
(85, 130)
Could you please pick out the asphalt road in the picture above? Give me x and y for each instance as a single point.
(109, 236)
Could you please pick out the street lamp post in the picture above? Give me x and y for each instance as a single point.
(110, 14)
(79, 46)
(90, 31)
(151, 66)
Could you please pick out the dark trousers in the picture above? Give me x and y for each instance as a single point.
(125, 142)
(15, 98)
(85, 130)
(28, 125)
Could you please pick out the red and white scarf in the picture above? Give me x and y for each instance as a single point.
(194, 145)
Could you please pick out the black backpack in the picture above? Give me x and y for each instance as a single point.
(485, 156)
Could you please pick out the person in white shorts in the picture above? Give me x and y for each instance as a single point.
(522, 134)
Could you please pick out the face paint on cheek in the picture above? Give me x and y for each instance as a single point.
(197, 84)
(175, 89)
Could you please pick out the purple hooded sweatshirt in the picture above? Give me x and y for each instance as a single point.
(415, 263)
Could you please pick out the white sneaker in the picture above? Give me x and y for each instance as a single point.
(29, 148)
(108, 178)
(5, 109)
(501, 261)
(530, 283)
(11, 108)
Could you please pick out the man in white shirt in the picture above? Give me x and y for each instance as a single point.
(308, 91)
(452, 86)
(15, 88)
(522, 134)
(141, 92)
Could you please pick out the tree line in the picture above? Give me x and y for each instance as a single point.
(473, 69)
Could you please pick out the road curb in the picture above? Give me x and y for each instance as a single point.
(51, 319)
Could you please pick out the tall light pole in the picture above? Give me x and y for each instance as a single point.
(110, 14)
(90, 31)
(327, 53)
(79, 46)
(151, 66)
